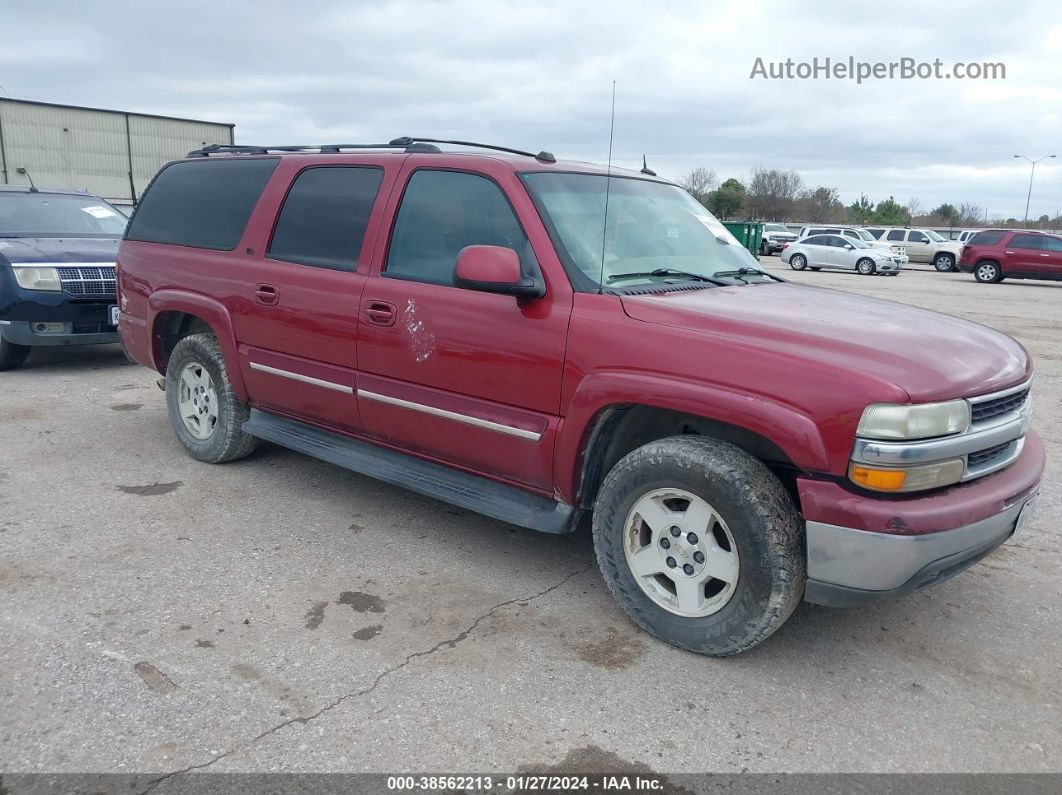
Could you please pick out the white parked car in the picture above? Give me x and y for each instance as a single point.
(965, 235)
(840, 253)
(856, 233)
(925, 245)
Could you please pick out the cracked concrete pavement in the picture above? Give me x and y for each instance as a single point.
(159, 615)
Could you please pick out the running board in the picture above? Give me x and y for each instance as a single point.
(507, 503)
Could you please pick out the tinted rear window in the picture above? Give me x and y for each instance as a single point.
(986, 238)
(324, 216)
(202, 204)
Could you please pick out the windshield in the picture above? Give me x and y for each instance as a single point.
(775, 228)
(859, 243)
(934, 236)
(651, 226)
(865, 235)
(58, 215)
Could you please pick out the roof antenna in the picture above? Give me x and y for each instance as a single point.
(608, 184)
(646, 169)
(26, 174)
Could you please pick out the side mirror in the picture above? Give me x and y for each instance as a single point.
(495, 269)
(849, 246)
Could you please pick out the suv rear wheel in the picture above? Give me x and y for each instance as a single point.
(988, 272)
(700, 544)
(206, 416)
(11, 355)
(944, 262)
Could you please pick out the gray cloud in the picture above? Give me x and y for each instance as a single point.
(538, 76)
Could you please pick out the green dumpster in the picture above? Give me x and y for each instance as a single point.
(748, 234)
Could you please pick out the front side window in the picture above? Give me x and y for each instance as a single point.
(325, 213)
(654, 232)
(918, 237)
(1026, 241)
(1052, 244)
(201, 203)
(442, 212)
(895, 234)
(36, 214)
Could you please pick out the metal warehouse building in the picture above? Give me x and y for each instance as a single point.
(111, 153)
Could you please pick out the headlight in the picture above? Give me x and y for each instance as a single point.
(921, 421)
(33, 278)
(919, 478)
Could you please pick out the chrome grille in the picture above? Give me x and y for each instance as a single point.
(88, 281)
(987, 409)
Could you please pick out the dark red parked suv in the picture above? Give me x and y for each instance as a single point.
(542, 341)
(997, 254)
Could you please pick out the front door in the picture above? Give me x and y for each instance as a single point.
(919, 246)
(297, 332)
(467, 377)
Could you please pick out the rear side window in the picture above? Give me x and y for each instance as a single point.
(203, 204)
(1026, 241)
(895, 234)
(986, 238)
(325, 213)
(817, 240)
(442, 212)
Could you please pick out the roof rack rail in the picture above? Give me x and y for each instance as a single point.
(543, 156)
(325, 149)
(405, 143)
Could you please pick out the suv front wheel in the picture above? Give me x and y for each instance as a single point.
(205, 413)
(12, 355)
(700, 543)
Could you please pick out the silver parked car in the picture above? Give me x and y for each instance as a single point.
(840, 253)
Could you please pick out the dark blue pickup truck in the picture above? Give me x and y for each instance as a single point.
(57, 283)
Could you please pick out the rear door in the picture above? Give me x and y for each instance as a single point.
(298, 317)
(1025, 254)
(815, 249)
(467, 377)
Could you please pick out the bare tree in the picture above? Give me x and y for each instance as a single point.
(914, 207)
(772, 193)
(820, 206)
(699, 182)
(970, 214)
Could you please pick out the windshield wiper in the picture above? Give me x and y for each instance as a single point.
(667, 272)
(746, 272)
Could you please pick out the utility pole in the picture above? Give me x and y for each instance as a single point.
(1032, 174)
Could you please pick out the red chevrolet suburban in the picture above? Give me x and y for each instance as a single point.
(543, 341)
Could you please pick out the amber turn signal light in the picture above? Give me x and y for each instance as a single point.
(878, 479)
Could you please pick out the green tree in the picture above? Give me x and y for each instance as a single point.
(891, 213)
(860, 212)
(727, 200)
(948, 214)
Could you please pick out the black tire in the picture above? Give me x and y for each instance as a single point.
(944, 262)
(798, 262)
(760, 515)
(227, 442)
(988, 272)
(866, 266)
(816, 268)
(12, 355)
(765, 250)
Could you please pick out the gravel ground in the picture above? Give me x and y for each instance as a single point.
(158, 614)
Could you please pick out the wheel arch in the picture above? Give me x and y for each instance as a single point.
(593, 440)
(175, 314)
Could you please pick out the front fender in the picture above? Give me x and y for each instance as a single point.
(210, 311)
(792, 431)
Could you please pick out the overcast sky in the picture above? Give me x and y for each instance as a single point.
(537, 75)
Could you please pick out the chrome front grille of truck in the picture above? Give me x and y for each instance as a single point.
(88, 281)
(984, 409)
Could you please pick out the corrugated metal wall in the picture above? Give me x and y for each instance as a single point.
(109, 153)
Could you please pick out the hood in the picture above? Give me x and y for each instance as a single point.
(28, 250)
(930, 355)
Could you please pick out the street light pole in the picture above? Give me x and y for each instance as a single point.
(1032, 174)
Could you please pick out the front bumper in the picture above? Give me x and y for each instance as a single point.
(94, 331)
(862, 549)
